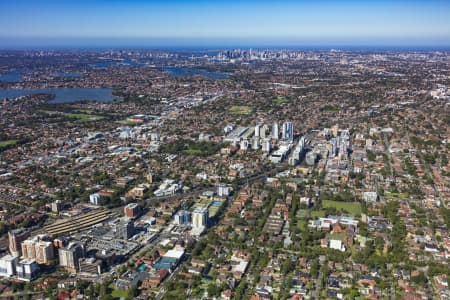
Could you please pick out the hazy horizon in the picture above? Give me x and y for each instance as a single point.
(26, 24)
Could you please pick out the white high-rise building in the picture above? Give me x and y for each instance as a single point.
(255, 143)
(243, 145)
(182, 217)
(266, 145)
(95, 199)
(27, 269)
(223, 190)
(275, 131)
(257, 129)
(8, 265)
(263, 131)
(200, 217)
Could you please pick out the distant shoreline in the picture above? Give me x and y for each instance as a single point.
(211, 48)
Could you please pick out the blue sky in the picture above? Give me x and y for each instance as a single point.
(134, 22)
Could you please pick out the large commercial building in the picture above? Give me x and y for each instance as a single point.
(39, 249)
(8, 265)
(132, 210)
(311, 158)
(200, 217)
(57, 206)
(27, 269)
(275, 131)
(257, 128)
(266, 146)
(123, 229)
(170, 260)
(223, 190)
(95, 199)
(263, 130)
(90, 265)
(78, 223)
(182, 217)
(16, 237)
(69, 256)
(288, 131)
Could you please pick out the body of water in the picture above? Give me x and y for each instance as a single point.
(111, 63)
(12, 76)
(64, 95)
(181, 72)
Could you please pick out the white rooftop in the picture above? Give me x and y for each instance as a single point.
(175, 253)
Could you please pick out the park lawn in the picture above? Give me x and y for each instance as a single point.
(84, 117)
(317, 214)
(7, 143)
(351, 207)
(78, 117)
(119, 294)
(195, 152)
(301, 213)
(280, 100)
(330, 108)
(212, 211)
(397, 195)
(50, 112)
(337, 236)
(301, 224)
(240, 110)
(202, 202)
(301, 219)
(84, 111)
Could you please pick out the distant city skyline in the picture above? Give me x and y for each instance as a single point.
(178, 23)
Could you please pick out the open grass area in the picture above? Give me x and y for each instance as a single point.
(213, 210)
(280, 100)
(301, 213)
(241, 110)
(117, 293)
(7, 143)
(351, 207)
(50, 112)
(301, 224)
(397, 195)
(77, 117)
(337, 236)
(84, 111)
(84, 117)
(195, 152)
(301, 219)
(317, 214)
(330, 108)
(189, 147)
(202, 202)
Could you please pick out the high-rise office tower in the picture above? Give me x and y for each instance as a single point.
(288, 131)
(263, 131)
(123, 229)
(266, 145)
(257, 128)
(275, 131)
(69, 257)
(200, 217)
(16, 237)
(182, 217)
